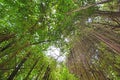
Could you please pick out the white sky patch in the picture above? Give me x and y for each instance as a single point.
(66, 40)
(89, 20)
(53, 11)
(55, 53)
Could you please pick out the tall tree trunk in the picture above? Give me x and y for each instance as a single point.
(112, 45)
(26, 78)
(12, 75)
(119, 5)
(47, 73)
(5, 37)
(91, 5)
(14, 54)
(39, 72)
(107, 13)
(7, 46)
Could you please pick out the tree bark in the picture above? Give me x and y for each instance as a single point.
(39, 72)
(12, 75)
(7, 46)
(26, 78)
(112, 45)
(91, 5)
(107, 13)
(5, 37)
(47, 73)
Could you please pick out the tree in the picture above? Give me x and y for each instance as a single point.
(86, 32)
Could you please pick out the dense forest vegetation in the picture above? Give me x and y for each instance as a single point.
(59, 39)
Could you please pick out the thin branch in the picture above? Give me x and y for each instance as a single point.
(90, 5)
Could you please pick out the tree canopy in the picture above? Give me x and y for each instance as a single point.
(59, 39)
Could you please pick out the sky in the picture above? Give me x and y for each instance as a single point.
(55, 53)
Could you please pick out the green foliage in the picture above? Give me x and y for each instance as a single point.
(33, 26)
(64, 74)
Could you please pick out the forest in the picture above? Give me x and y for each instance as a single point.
(59, 39)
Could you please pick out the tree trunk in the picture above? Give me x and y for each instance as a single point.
(112, 45)
(41, 68)
(7, 46)
(47, 74)
(6, 37)
(12, 75)
(13, 55)
(26, 78)
(107, 13)
(91, 5)
(119, 5)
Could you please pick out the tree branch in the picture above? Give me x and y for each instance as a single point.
(90, 5)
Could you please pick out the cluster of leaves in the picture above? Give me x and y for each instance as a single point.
(29, 27)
